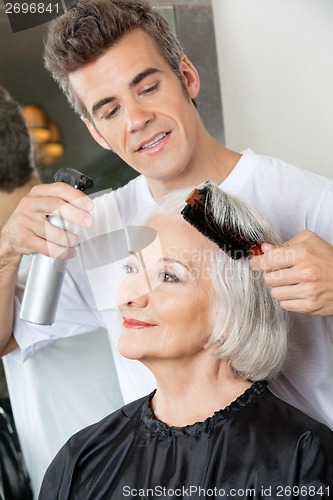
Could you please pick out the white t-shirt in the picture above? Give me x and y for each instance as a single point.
(291, 199)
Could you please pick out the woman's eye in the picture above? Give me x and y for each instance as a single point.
(129, 269)
(169, 278)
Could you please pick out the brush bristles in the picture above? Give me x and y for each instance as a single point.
(198, 213)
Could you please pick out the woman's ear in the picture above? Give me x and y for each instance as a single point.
(94, 133)
(190, 76)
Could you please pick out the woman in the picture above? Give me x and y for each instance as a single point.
(208, 328)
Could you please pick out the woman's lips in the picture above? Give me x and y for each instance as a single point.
(135, 323)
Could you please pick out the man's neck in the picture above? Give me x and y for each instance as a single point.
(214, 162)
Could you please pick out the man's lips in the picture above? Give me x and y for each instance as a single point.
(135, 323)
(153, 142)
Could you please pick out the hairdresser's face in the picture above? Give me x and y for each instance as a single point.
(139, 107)
(166, 306)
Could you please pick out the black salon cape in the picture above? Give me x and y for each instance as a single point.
(258, 447)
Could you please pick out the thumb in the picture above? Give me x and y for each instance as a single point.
(266, 247)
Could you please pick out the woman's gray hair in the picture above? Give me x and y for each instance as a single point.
(250, 325)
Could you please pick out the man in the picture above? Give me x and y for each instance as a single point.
(71, 383)
(126, 75)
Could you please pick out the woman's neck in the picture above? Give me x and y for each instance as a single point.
(188, 393)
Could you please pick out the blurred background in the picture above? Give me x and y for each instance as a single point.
(276, 68)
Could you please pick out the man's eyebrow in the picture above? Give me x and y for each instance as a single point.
(136, 80)
(141, 76)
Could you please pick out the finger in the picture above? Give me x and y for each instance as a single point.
(55, 234)
(30, 223)
(71, 213)
(42, 246)
(266, 247)
(292, 305)
(300, 238)
(303, 295)
(282, 277)
(275, 259)
(287, 293)
(54, 250)
(281, 256)
(38, 208)
(30, 232)
(302, 306)
(65, 192)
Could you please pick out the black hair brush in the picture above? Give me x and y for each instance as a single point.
(199, 214)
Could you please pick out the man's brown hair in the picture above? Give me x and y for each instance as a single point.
(91, 27)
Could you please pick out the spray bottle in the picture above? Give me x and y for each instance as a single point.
(46, 275)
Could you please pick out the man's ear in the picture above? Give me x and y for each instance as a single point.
(190, 76)
(94, 132)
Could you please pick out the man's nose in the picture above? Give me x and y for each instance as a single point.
(137, 116)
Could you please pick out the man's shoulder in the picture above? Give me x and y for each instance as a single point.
(270, 167)
(289, 197)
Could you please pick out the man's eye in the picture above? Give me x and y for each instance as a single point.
(150, 90)
(110, 113)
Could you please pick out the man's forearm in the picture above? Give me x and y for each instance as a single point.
(9, 265)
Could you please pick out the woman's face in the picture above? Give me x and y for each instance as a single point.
(166, 302)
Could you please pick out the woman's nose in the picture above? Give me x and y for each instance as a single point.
(133, 292)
